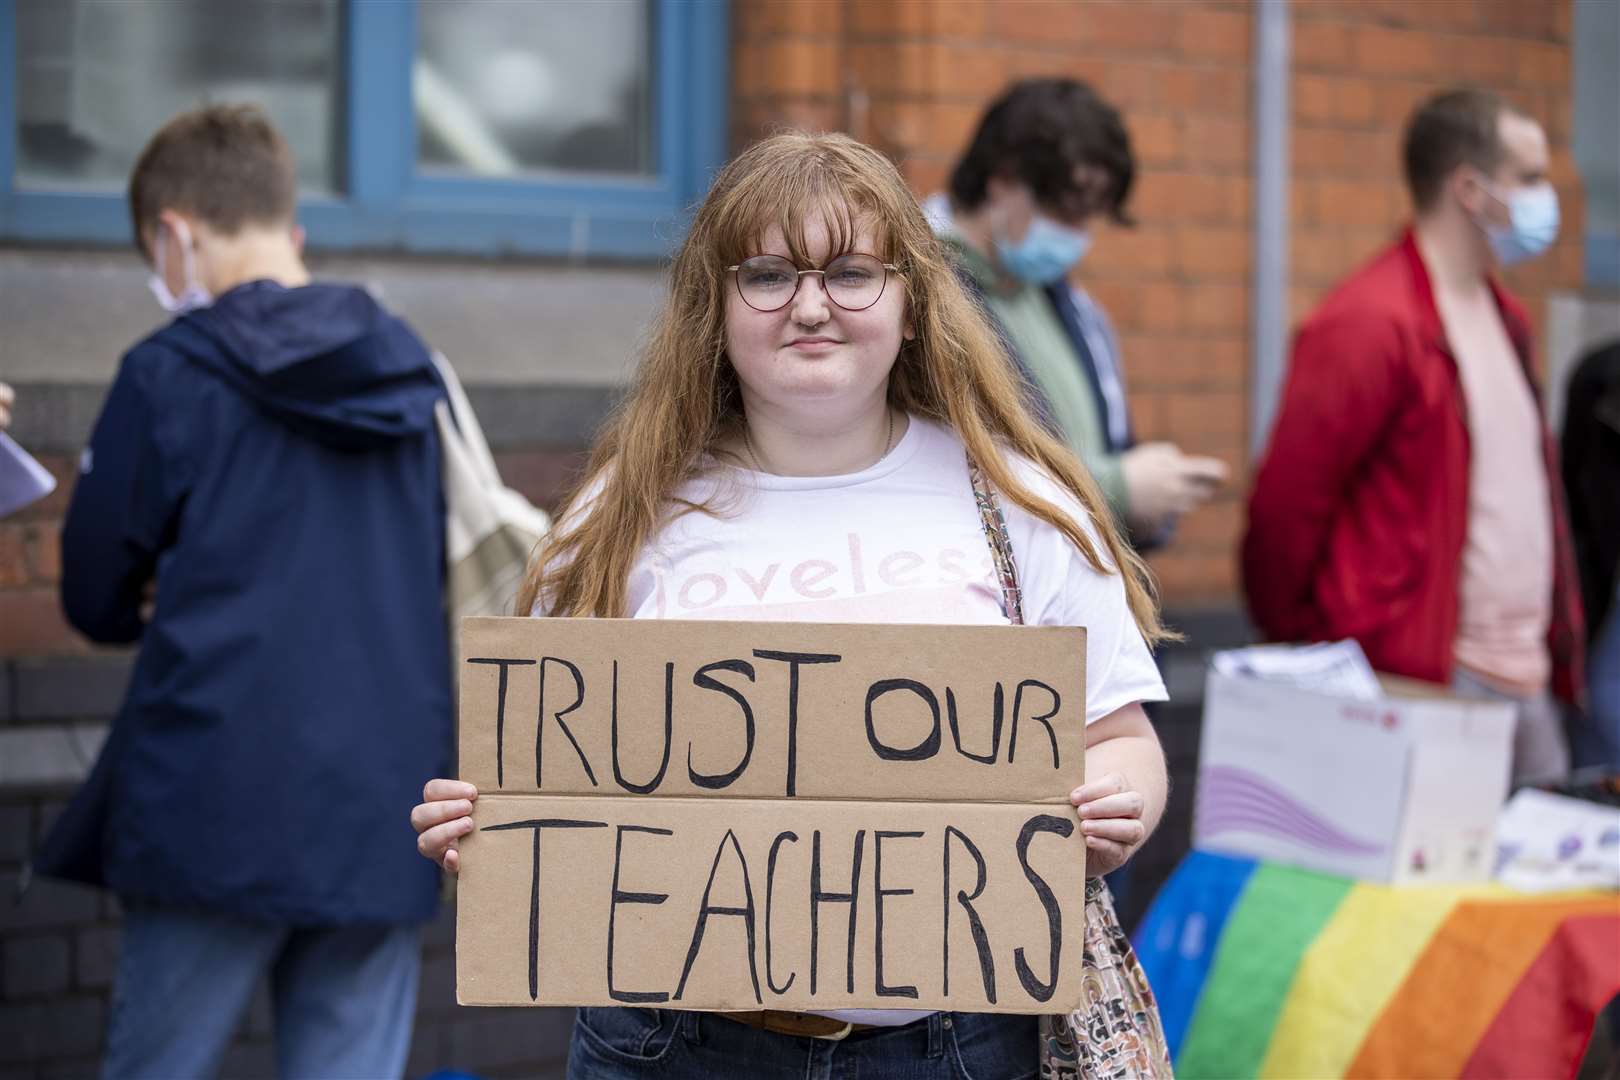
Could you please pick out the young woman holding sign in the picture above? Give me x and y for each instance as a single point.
(825, 428)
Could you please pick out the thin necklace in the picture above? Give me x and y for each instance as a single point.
(888, 444)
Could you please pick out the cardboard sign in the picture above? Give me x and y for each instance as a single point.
(711, 815)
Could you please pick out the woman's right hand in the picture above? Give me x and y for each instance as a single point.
(442, 817)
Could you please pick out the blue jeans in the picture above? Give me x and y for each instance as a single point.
(1597, 740)
(626, 1044)
(343, 997)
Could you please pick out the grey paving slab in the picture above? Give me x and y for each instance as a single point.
(48, 756)
(69, 315)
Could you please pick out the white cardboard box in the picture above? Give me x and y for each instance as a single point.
(1403, 790)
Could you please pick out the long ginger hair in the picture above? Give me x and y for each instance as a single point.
(685, 398)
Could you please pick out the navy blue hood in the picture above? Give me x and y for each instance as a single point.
(327, 360)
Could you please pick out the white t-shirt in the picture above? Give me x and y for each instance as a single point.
(899, 542)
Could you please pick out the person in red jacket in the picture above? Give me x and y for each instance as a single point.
(1409, 498)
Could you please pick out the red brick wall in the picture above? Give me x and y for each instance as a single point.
(911, 77)
(31, 622)
(1359, 68)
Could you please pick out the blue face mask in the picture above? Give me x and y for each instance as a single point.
(1533, 213)
(1047, 251)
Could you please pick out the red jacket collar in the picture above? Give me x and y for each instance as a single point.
(1514, 317)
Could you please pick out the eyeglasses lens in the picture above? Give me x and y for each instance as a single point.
(769, 282)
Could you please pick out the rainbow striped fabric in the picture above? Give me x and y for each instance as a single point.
(1265, 970)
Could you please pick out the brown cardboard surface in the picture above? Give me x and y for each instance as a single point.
(694, 679)
(545, 928)
(644, 850)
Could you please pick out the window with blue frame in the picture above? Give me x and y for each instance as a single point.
(552, 127)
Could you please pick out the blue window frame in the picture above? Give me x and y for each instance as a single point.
(389, 203)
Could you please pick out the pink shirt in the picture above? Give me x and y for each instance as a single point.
(1506, 581)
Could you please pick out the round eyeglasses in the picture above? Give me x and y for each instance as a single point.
(854, 282)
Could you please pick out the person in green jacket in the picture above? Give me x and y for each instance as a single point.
(1048, 157)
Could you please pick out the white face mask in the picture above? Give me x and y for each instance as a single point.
(192, 294)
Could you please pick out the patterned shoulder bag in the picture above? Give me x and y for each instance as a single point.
(1116, 1034)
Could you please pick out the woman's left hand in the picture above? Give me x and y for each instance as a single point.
(1111, 821)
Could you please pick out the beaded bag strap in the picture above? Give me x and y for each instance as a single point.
(1001, 552)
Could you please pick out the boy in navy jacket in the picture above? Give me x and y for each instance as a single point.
(260, 508)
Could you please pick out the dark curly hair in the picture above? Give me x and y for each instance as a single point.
(1040, 131)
